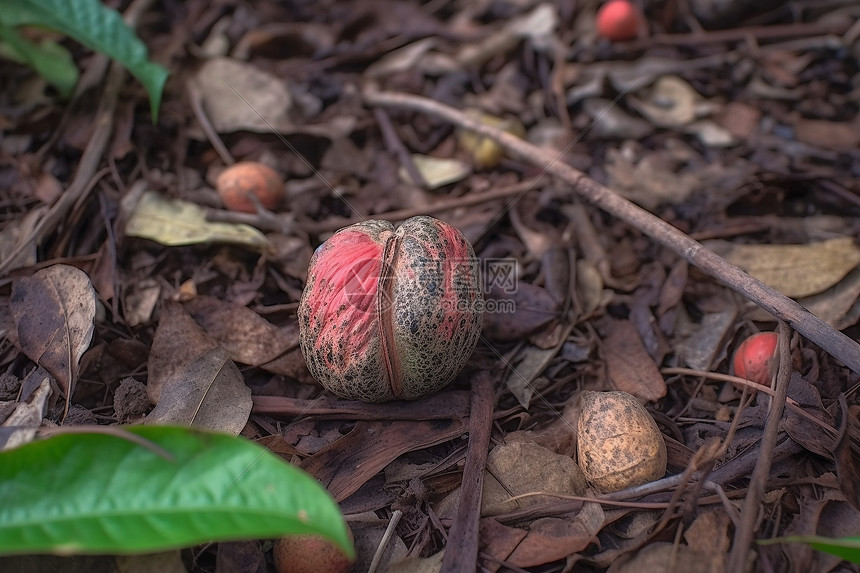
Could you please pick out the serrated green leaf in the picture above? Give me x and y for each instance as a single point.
(99, 493)
(96, 26)
(848, 548)
(51, 60)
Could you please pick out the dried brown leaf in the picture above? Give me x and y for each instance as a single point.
(250, 338)
(663, 556)
(629, 366)
(178, 342)
(534, 308)
(208, 393)
(524, 467)
(345, 465)
(550, 539)
(54, 312)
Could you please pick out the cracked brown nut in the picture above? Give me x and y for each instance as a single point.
(390, 314)
(618, 441)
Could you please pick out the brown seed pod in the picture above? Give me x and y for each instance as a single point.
(391, 314)
(238, 182)
(618, 442)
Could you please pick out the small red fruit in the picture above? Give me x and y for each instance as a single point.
(310, 554)
(391, 314)
(754, 357)
(238, 182)
(618, 20)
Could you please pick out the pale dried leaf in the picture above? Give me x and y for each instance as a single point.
(401, 59)
(29, 414)
(436, 172)
(839, 305)
(526, 467)
(671, 103)
(795, 270)
(432, 564)
(703, 343)
(173, 222)
(239, 96)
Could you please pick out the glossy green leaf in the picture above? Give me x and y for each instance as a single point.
(847, 548)
(51, 60)
(161, 487)
(96, 26)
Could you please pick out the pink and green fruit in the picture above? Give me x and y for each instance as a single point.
(391, 314)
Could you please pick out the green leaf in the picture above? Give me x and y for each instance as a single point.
(101, 493)
(847, 548)
(99, 28)
(51, 60)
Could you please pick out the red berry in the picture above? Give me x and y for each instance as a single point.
(753, 358)
(618, 20)
(238, 182)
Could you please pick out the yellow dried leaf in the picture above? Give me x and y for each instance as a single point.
(437, 172)
(796, 270)
(173, 222)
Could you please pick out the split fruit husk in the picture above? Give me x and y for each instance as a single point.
(391, 314)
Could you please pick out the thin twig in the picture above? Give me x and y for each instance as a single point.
(395, 146)
(754, 386)
(834, 342)
(196, 99)
(383, 543)
(752, 504)
(505, 192)
(461, 551)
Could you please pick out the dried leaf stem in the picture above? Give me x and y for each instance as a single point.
(824, 335)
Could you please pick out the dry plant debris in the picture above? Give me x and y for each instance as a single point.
(614, 193)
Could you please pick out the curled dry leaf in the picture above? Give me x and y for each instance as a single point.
(54, 312)
(208, 393)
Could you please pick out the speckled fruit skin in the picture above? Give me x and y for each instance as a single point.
(752, 358)
(618, 441)
(238, 182)
(309, 554)
(391, 314)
